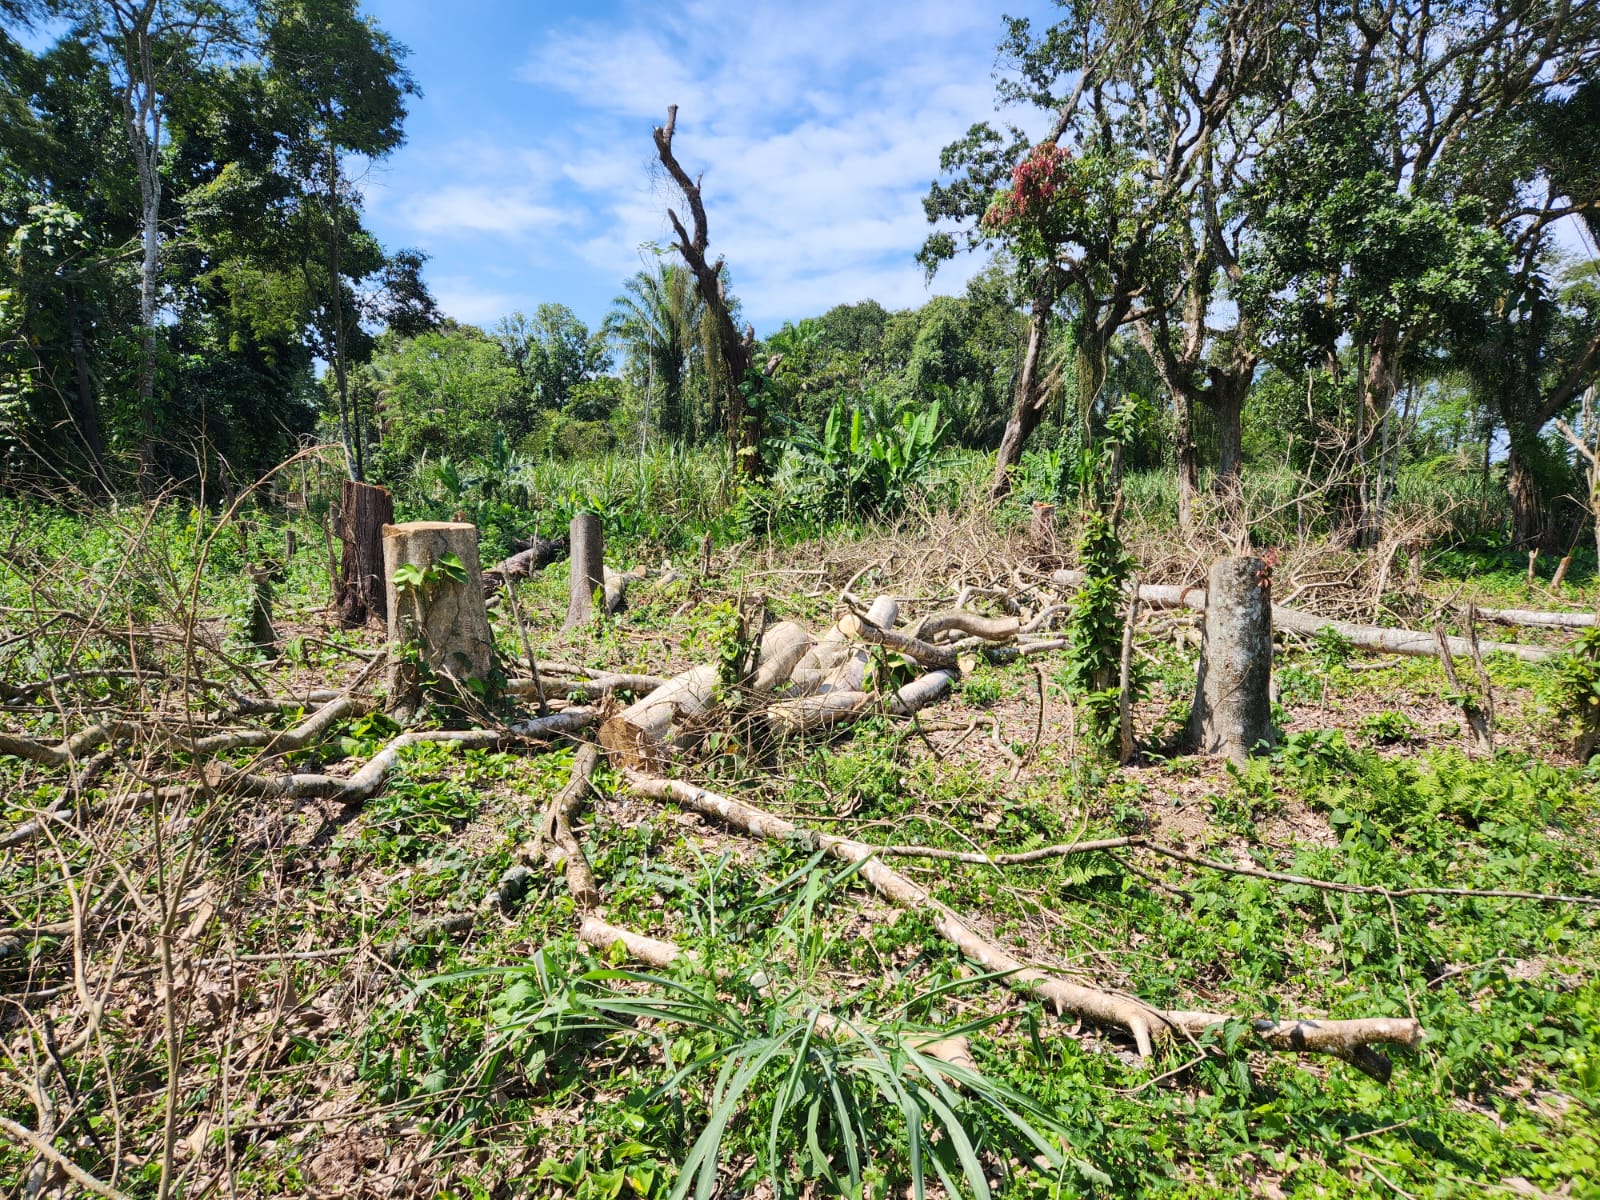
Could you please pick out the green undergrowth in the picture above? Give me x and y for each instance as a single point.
(714, 1068)
(787, 1050)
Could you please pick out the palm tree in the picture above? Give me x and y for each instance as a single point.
(659, 321)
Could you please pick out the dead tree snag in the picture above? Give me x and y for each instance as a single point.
(733, 348)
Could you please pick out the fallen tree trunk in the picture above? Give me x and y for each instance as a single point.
(835, 664)
(616, 586)
(1363, 637)
(1350, 1040)
(1536, 619)
(539, 554)
(832, 708)
(782, 647)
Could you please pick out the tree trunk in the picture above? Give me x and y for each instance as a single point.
(442, 617)
(1232, 711)
(1529, 527)
(1028, 410)
(1188, 462)
(364, 512)
(587, 560)
(85, 411)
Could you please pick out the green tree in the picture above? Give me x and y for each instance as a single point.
(659, 321)
(450, 392)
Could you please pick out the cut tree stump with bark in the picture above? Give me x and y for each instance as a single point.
(364, 511)
(587, 559)
(441, 614)
(1232, 712)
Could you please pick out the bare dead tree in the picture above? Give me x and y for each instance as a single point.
(744, 425)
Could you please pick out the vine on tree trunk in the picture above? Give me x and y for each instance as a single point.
(1094, 630)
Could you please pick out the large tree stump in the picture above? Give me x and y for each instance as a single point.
(441, 614)
(364, 511)
(587, 560)
(1232, 711)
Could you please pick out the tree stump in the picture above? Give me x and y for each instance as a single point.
(587, 559)
(436, 609)
(1232, 711)
(363, 588)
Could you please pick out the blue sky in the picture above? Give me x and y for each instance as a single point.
(526, 175)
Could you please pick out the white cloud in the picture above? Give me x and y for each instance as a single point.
(466, 300)
(473, 208)
(818, 129)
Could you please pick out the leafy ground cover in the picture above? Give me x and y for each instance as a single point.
(215, 994)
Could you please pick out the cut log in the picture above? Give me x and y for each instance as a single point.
(538, 554)
(440, 612)
(588, 568)
(1363, 637)
(782, 647)
(836, 665)
(364, 511)
(640, 734)
(616, 586)
(1232, 712)
(833, 708)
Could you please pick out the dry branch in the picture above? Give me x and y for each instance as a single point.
(313, 729)
(69, 749)
(990, 629)
(1351, 1040)
(913, 648)
(590, 689)
(360, 786)
(558, 829)
(23, 1136)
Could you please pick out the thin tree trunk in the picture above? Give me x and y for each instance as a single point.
(347, 429)
(1528, 524)
(1029, 407)
(86, 412)
(1188, 462)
